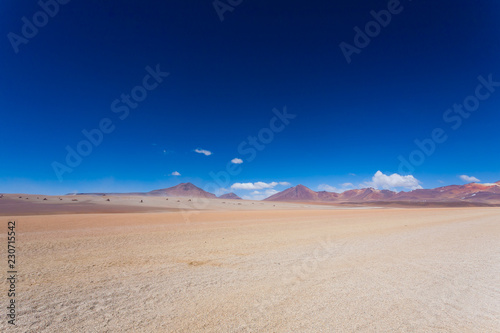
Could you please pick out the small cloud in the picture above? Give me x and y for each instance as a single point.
(352, 174)
(222, 191)
(253, 186)
(469, 179)
(440, 181)
(383, 181)
(236, 161)
(328, 188)
(167, 152)
(270, 192)
(203, 151)
(175, 173)
(259, 195)
(260, 190)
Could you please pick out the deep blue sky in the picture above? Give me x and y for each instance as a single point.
(226, 78)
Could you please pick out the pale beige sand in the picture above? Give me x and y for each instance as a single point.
(260, 270)
(30, 204)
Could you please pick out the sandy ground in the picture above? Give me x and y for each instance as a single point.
(24, 204)
(255, 268)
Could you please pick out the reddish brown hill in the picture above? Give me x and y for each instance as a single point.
(366, 194)
(302, 193)
(327, 196)
(182, 190)
(231, 195)
(297, 193)
(452, 192)
(473, 193)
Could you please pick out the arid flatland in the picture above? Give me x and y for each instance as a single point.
(259, 268)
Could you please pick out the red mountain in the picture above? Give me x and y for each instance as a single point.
(297, 193)
(302, 193)
(230, 196)
(470, 194)
(453, 193)
(182, 190)
(473, 193)
(367, 194)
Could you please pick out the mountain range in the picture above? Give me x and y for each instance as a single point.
(468, 194)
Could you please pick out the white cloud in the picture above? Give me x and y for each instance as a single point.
(203, 151)
(221, 191)
(352, 174)
(259, 195)
(253, 186)
(469, 179)
(260, 190)
(383, 181)
(268, 193)
(236, 161)
(328, 188)
(175, 173)
(167, 151)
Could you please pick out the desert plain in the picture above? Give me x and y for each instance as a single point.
(123, 265)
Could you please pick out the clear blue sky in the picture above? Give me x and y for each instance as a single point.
(226, 77)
